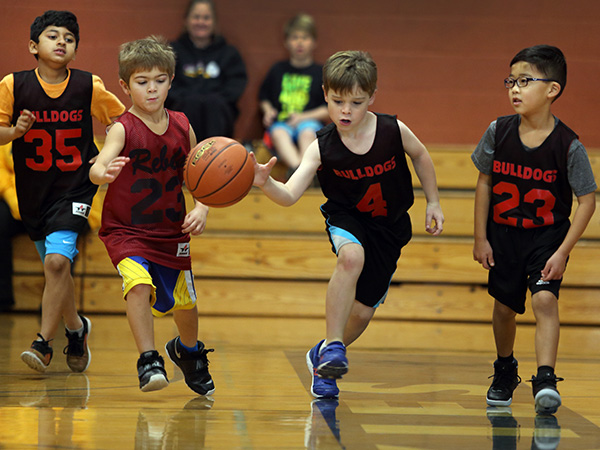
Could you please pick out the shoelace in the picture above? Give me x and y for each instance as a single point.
(75, 345)
(44, 341)
(44, 344)
(204, 354)
(541, 380)
(503, 379)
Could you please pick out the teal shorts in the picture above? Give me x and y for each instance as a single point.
(62, 242)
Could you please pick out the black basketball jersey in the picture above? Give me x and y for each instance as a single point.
(376, 186)
(530, 187)
(51, 159)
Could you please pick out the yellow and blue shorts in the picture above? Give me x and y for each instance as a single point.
(172, 289)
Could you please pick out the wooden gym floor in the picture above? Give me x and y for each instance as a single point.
(418, 376)
(411, 385)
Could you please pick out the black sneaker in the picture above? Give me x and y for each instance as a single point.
(505, 428)
(151, 371)
(506, 380)
(77, 350)
(194, 366)
(39, 355)
(546, 434)
(547, 398)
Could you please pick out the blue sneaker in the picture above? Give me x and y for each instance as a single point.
(322, 424)
(332, 360)
(320, 387)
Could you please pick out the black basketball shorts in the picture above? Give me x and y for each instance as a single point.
(519, 256)
(381, 246)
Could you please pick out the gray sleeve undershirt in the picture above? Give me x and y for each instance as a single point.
(579, 169)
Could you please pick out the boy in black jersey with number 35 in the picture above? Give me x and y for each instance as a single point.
(47, 114)
(360, 161)
(530, 166)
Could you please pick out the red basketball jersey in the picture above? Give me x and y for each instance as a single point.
(144, 207)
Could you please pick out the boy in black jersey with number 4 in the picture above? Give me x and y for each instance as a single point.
(530, 166)
(360, 160)
(47, 114)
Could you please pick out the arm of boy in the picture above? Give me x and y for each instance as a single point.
(434, 218)
(105, 107)
(555, 266)
(195, 221)
(269, 113)
(23, 125)
(108, 164)
(320, 113)
(482, 250)
(287, 194)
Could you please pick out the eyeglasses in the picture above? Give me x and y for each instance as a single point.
(521, 81)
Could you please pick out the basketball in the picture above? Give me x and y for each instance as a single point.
(218, 172)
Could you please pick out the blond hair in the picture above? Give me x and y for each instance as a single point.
(146, 54)
(301, 22)
(346, 70)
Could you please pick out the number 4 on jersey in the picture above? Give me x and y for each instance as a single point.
(373, 201)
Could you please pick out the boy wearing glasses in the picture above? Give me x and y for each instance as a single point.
(530, 165)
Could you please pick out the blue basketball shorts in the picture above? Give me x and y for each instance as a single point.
(172, 289)
(62, 242)
(294, 132)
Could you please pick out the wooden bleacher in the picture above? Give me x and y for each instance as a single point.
(257, 258)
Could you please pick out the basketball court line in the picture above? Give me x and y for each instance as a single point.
(403, 400)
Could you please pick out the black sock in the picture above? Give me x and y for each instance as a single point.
(542, 370)
(506, 359)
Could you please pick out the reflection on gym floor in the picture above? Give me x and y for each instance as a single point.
(408, 388)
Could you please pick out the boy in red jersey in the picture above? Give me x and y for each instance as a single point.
(47, 114)
(360, 161)
(530, 166)
(145, 227)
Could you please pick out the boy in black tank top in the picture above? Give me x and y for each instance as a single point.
(360, 160)
(47, 115)
(530, 166)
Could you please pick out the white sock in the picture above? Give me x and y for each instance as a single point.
(78, 331)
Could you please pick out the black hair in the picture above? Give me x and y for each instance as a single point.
(64, 19)
(549, 60)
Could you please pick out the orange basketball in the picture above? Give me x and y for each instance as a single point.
(218, 172)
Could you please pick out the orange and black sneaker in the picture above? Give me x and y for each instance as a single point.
(39, 355)
(77, 350)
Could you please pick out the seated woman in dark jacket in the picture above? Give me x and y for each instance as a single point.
(210, 75)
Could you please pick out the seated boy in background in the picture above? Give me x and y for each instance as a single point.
(291, 98)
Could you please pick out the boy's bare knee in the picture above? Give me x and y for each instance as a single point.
(362, 312)
(139, 292)
(501, 311)
(56, 263)
(351, 258)
(544, 302)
